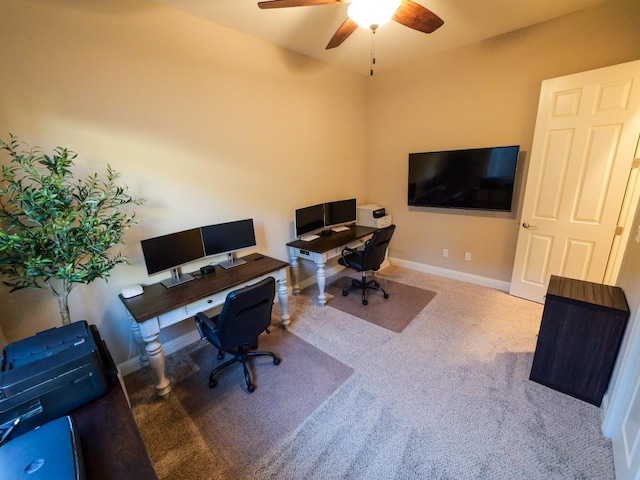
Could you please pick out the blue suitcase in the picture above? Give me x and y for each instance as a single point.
(49, 452)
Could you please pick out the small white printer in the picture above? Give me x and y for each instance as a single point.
(371, 215)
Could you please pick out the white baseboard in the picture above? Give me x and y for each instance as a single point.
(454, 274)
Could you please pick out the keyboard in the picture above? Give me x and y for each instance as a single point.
(308, 238)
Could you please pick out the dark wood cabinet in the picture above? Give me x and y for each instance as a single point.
(581, 331)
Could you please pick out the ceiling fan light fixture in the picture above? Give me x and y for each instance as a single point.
(372, 13)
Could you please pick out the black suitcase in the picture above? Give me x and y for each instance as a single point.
(50, 374)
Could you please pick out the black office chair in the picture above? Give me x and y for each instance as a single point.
(245, 315)
(367, 259)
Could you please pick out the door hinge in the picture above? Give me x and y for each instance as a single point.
(618, 231)
(636, 163)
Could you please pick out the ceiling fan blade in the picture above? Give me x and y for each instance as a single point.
(346, 29)
(415, 16)
(295, 3)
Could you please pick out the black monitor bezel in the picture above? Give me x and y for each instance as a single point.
(340, 212)
(162, 254)
(312, 211)
(248, 239)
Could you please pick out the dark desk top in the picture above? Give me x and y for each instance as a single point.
(158, 299)
(112, 447)
(335, 240)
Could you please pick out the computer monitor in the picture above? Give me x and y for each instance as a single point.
(168, 252)
(309, 219)
(228, 238)
(341, 212)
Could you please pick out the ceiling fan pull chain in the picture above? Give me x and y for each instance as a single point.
(373, 49)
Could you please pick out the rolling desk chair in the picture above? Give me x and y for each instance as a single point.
(368, 259)
(245, 315)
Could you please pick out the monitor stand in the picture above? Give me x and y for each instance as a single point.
(177, 278)
(231, 262)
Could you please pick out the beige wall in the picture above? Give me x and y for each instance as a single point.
(207, 124)
(478, 96)
(210, 125)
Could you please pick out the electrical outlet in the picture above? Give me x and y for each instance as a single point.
(445, 252)
(467, 256)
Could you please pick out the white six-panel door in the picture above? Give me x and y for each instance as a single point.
(583, 150)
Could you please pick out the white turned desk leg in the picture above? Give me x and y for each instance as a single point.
(283, 297)
(137, 337)
(150, 331)
(320, 278)
(295, 285)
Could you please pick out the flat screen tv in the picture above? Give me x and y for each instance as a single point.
(228, 238)
(473, 179)
(340, 212)
(168, 252)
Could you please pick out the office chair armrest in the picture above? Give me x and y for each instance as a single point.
(347, 251)
(203, 321)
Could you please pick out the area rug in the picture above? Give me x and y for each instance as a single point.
(237, 426)
(393, 313)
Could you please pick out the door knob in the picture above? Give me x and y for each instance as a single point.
(526, 225)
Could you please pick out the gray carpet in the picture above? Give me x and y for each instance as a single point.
(380, 311)
(448, 398)
(228, 419)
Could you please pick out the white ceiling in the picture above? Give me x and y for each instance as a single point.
(307, 30)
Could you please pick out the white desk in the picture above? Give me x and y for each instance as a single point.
(158, 307)
(322, 249)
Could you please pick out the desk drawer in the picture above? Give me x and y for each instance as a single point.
(216, 299)
(206, 303)
(172, 317)
(355, 244)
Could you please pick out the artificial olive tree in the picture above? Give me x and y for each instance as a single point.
(57, 231)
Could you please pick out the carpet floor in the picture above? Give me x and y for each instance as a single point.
(228, 419)
(447, 398)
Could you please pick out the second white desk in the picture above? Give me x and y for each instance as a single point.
(322, 249)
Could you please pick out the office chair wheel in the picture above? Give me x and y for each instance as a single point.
(364, 301)
(251, 387)
(386, 295)
(276, 361)
(212, 383)
(344, 293)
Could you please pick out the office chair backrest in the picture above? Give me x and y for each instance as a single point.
(376, 248)
(246, 313)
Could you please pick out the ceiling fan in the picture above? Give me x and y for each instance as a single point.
(362, 13)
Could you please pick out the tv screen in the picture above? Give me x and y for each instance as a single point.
(172, 250)
(340, 212)
(308, 219)
(479, 178)
(228, 237)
